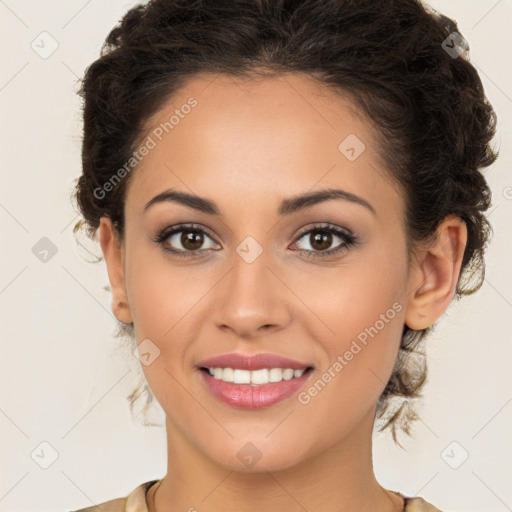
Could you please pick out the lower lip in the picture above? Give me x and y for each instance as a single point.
(247, 396)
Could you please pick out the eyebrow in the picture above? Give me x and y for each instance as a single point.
(287, 207)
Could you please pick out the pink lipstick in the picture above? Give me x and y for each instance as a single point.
(253, 382)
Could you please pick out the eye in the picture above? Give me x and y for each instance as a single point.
(322, 236)
(185, 240)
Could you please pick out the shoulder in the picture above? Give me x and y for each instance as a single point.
(418, 504)
(134, 502)
(117, 505)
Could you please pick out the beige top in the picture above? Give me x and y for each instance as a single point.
(136, 502)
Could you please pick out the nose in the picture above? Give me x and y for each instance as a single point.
(252, 300)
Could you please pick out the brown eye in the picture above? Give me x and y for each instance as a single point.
(185, 240)
(320, 239)
(192, 240)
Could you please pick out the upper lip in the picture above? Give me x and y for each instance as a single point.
(252, 362)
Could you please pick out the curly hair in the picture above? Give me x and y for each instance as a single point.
(398, 60)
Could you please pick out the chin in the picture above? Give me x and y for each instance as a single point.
(255, 455)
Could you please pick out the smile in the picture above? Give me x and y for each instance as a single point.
(256, 390)
(255, 377)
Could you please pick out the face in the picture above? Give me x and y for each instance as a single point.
(322, 282)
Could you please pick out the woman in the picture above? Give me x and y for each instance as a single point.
(287, 195)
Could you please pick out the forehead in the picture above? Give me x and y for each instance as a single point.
(260, 137)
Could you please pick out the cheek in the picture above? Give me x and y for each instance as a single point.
(160, 294)
(365, 314)
(162, 301)
(367, 310)
(360, 356)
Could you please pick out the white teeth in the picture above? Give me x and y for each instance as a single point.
(228, 374)
(288, 374)
(276, 375)
(256, 377)
(259, 376)
(241, 376)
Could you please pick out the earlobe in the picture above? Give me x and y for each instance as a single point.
(435, 275)
(113, 255)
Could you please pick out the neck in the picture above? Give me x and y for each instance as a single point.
(339, 479)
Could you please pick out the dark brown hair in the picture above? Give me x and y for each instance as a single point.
(398, 60)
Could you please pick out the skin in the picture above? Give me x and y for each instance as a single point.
(248, 145)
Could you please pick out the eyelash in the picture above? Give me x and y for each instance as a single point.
(349, 239)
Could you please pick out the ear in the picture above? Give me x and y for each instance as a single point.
(434, 277)
(113, 254)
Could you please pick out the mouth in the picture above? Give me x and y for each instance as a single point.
(258, 377)
(256, 389)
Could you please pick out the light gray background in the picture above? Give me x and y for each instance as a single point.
(62, 381)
